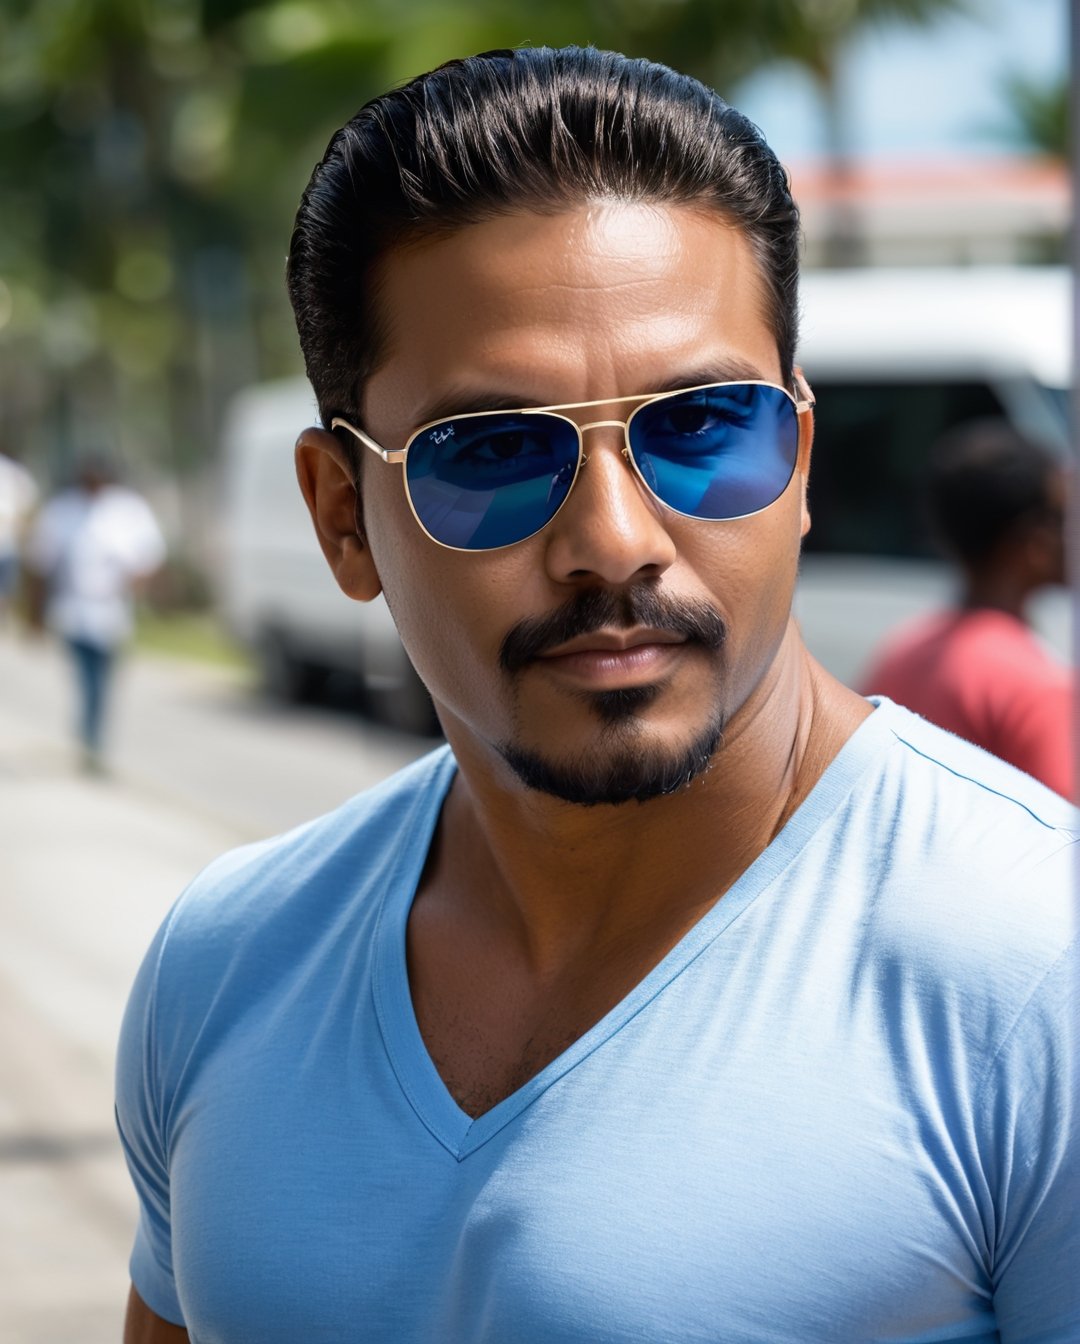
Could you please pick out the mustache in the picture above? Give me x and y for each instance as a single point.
(601, 608)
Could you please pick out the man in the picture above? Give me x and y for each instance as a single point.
(997, 504)
(685, 995)
(91, 549)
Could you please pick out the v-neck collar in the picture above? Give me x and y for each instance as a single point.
(459, 1133)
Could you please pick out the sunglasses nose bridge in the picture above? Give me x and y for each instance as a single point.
(603, 424)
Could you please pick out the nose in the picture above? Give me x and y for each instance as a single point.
(610, 529)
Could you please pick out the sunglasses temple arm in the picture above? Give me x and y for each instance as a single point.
(387, 454)
(804, 398)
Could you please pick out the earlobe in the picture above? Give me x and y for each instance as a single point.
(326, 481)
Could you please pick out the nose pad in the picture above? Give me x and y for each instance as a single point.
(638, 474)
(645, 472)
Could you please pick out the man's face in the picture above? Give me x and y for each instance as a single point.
(603, 657)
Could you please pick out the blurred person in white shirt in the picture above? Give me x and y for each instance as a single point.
(91, 549)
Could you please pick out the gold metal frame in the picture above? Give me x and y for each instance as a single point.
(804, 402)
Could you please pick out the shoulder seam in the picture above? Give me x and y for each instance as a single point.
(1071, 835)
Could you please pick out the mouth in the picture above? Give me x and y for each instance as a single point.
(606, 660)
(613, 642)
(620, 632)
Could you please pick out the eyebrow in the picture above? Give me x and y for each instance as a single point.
(461, 402)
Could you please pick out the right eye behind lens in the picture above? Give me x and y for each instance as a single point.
(479, 482)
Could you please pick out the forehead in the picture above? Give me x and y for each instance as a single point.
(607, 299)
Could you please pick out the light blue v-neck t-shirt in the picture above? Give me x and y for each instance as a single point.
(842, 1108)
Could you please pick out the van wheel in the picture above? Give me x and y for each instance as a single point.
(284, 675)
(406, 707)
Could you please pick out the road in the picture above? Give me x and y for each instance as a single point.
(88, 868)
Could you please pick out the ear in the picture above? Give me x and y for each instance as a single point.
(806, 442)
(326, 480)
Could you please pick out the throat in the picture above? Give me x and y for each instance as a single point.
(490, 1024)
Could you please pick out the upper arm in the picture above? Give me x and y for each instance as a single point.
(139, 1115)
(143, 1326)
(1037, 1292)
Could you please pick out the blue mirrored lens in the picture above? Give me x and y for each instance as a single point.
(717, 453)
(484, 481)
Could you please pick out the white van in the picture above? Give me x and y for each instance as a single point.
(278, 595)
(894, 357)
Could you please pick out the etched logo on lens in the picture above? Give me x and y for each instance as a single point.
(441, 435)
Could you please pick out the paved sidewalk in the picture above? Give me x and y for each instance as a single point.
(87, 870)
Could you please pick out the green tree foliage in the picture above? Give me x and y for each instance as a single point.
(1040, 114)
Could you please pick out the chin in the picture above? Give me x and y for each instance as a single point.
(625, 764)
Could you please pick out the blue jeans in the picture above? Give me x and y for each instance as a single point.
(9, 575)
(93, 665)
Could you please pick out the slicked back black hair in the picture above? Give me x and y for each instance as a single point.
(538, 130)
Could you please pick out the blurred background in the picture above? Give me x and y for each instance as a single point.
(152, 153)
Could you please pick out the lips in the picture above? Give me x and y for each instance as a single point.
(599, 622)
(613, 642)
(612, 660)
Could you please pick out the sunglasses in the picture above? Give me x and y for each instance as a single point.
(487, 479)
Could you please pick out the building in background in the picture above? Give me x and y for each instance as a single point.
(937, 211)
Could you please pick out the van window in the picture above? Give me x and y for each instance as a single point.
(870, 447)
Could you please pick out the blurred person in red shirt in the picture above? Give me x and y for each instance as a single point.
(997, 504)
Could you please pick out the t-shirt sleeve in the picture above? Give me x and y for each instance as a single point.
(139, 1118)
(1032, 1106)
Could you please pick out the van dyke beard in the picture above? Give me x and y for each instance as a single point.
(622, 768)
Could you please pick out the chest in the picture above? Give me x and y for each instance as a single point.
(679, 1183)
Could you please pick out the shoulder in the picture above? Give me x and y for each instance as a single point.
(340, 852)
(1001, 645)
(931, 768)
(125, 507)
(259, 914)
(946, 899)
(972, 639)
(976, 860)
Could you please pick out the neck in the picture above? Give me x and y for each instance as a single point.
(997, 590)
(562, 880)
